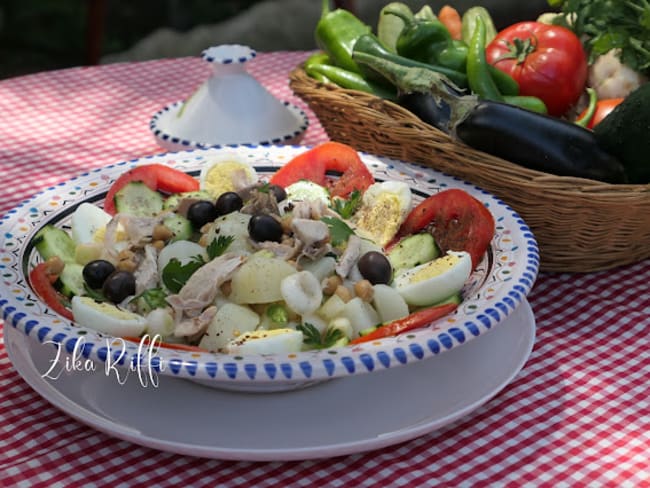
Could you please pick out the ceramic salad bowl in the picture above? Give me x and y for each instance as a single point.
(494, 290)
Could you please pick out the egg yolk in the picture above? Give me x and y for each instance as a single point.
(435, 268)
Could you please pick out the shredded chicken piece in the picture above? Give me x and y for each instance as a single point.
(202, 287)
(146, 273)
(193, 328)
(349, 257)
(313, 235)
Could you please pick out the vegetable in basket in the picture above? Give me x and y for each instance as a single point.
(336, 32)
(625, 132)
(521, 136)
(548, 61)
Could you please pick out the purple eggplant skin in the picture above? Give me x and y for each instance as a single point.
(538, 142)
(532, 140)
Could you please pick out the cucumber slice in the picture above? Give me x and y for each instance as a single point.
(51, 241)
(136, 198)
(413, 250)
(180, 226)
(172, 201)
(72, 280)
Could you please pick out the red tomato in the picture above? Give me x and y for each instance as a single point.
(457, 221)
(41, 281)
(548, 62)
(314, 164)
(157, 177)
(603, 108)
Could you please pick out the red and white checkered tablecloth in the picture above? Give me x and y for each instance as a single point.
(578, 414)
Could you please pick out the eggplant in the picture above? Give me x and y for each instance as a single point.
(523, 137)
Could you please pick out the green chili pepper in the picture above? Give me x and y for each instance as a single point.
(390, 26)
(318, 57)
(368, 44)
(478, 72)
(533, 104)
(469, 24)
(348, 79)
(591, 109)
(420, 39)
(425, 13)
(506, 84)
(336, 33)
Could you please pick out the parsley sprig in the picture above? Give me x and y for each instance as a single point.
(611, 24)
(313, 339)
(175, 274)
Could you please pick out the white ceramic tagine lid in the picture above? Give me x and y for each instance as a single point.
(230, 107)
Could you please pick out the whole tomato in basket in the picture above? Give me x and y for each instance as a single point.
(548, 62)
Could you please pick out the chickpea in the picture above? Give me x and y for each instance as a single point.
(364, 290)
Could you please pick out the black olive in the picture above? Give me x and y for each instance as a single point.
(376, 268)
(201, 213)
(278, 192)
(228, 202)
(95, 272)
(119, 285)
(263, 227)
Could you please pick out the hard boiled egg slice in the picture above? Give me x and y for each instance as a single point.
(275, 341)
(384, 207)
(107, 318)
(435, 280)
(228, 172)
(86, 220)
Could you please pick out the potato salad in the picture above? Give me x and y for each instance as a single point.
(235, 262)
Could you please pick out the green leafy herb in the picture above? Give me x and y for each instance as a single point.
(340, 232)
(151, 299)
(219, 245)
(313, 339)
(346, 208)
(175, 274)
(610, 24)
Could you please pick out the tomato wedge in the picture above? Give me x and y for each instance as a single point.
(314, 164)
(167, 345)
(42, 282)
(457, 221)
(157, 177)
(412, 321)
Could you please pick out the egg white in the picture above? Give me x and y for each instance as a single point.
(107, 318)
(86, 220)
(275, 341)
(384, 208)
(435, 280)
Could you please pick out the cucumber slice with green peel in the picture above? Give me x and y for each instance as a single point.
(72, 280)
(413, 250)
(180, 226)
(51, 241)
(172, 201)
(137, 199)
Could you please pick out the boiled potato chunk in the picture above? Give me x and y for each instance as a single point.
(258, 280)
(230, 321)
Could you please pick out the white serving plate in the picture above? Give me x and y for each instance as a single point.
(495, 289)
(335, 418)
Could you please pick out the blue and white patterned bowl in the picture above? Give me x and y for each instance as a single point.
(495, 289)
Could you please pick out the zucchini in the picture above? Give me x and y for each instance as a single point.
(51, 241)
(136, 198)
(625, 133)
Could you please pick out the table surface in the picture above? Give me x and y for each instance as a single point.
(578, 413)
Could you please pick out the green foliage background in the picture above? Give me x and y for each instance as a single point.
(37, 35)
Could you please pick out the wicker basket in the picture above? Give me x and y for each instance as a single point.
(581, 225)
